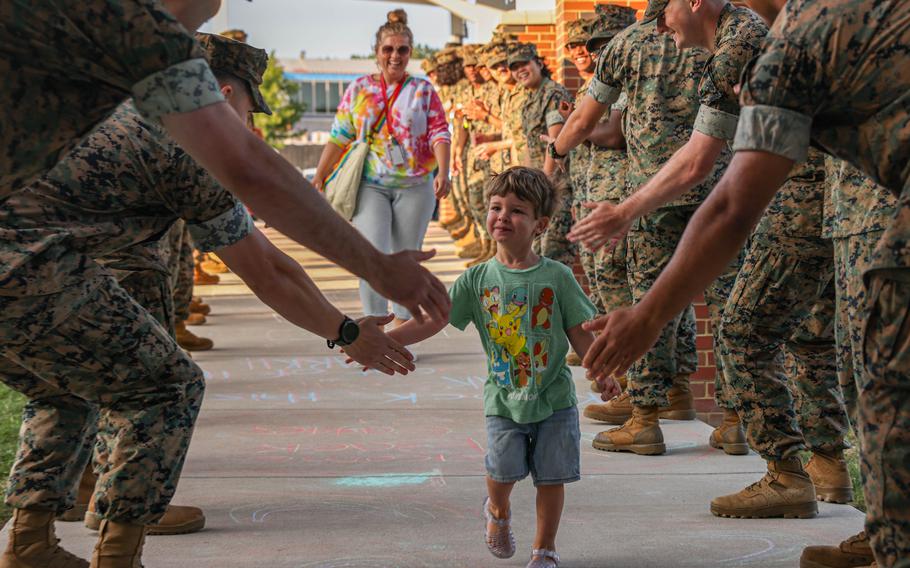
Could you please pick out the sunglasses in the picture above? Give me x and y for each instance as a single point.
(390, 49)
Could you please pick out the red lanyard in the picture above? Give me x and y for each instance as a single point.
(388, 103)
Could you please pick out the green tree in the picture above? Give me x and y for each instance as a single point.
(281, 95)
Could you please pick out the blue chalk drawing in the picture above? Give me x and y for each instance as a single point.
(388, 479)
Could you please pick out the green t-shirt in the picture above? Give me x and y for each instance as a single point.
(522, 317)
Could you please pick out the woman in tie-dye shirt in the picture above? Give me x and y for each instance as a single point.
(398, 192)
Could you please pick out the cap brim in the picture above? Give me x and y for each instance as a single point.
(259, 102)
(577, 39)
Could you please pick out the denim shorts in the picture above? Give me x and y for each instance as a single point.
(549, 450)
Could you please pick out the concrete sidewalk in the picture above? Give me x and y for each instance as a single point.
(300, 461)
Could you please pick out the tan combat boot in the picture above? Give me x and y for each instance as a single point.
(682, 405)
(199, 307)
(195, 319)
(617, 410)
(176, 520)
(640, 434)
(83, 496)
(855, 552)
(471, 251)
(189, 341)
(785, 491)
(214, 264)
(828, 471)
(464, 232)
(203, 278)
(119, 545)
(33, 543)
(729, 436)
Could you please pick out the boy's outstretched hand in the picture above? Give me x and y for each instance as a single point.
(609, 388)
(376, 350)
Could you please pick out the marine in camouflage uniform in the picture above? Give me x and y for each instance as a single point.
(476, 132)
(539, 112)
(837, 72)
(598, 173)
(786, 284)
(449, 76)
(662, 84)
(77, 344)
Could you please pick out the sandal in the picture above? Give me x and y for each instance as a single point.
(502, 543)
(544, 558)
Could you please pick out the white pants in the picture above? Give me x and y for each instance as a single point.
(392, 220)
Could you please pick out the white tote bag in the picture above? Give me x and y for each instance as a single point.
(342, 186)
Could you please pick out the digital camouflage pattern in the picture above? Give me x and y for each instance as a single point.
(97, 60)
(478, 171)
(797, 209)
(836, 72)
(65, 319)
(182, 264)
(858, 212)
(110, 367)
(661, 83)
(539, 113)
(512, 128)
(98, 202)
(650, 245)
(241, 60)
(737, 41)
(776, 291)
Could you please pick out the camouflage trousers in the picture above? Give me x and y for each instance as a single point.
(181, 265)
(884, 416)
(108, 367)
(650, 245)
(782, 306)
(478, 172)
(605, 270)
(553, 243)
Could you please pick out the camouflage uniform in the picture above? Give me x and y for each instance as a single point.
(662, 85)
(448, 75)
(858, 212)
(540, 111)
(478, 171)
(98, 59)
(512, 128)
(77, 344)
(80, 340)
(844, 63)
(786, 284)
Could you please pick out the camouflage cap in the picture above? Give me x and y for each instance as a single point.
(428, 64)
(579, 31)
(610, 20)
(469, 55)
(447, 55)
(522, 53)
(239, 59)
(234, 34)
(494, 54)
(655, 8)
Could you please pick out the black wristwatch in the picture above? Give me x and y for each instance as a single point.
(551, 149)
(347, 334)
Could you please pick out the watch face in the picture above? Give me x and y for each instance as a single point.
(349, 332)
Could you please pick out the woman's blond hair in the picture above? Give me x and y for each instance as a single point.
(396, 24)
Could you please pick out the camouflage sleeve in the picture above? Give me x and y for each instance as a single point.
(621, 103)
(719, 110)
(182, 87)
(224, 230)
(551, 110)
(779, 95)
(606, 86)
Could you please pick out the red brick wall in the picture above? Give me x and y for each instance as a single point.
(550, 40)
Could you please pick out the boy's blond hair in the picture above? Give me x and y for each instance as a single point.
(528, 184)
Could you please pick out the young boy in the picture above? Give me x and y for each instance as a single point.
(528, 310)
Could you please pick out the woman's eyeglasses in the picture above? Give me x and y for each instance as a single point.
(390, 49)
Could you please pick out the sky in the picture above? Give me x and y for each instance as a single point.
(336, 28)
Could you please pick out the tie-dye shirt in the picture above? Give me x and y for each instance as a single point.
(419, 123)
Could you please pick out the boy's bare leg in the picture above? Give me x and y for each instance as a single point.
(550, 499)
(500, 505)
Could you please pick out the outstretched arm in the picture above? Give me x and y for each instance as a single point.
(581, 340)
(689, 166)
(580, 124)
(282, 283)
(714, 236)
(262, 179)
